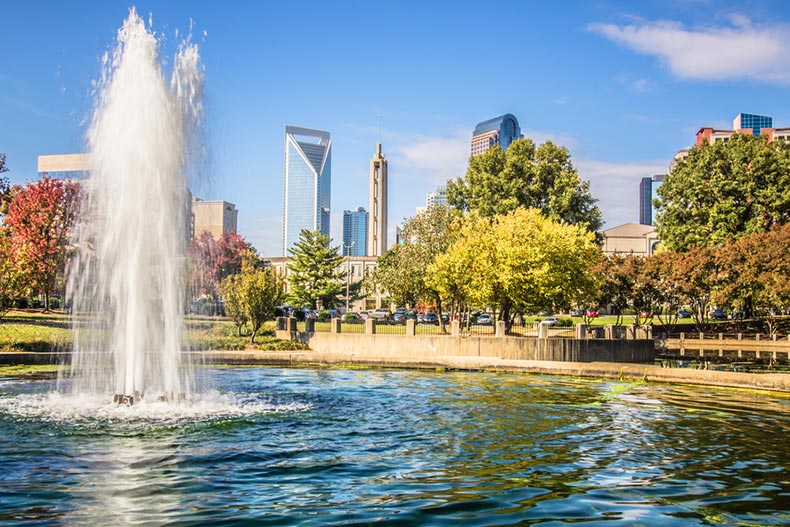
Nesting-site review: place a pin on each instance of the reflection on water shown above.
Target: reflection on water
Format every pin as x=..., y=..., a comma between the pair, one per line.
x=327, y=447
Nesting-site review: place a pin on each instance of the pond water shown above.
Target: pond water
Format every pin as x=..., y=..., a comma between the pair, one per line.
x=358, y=447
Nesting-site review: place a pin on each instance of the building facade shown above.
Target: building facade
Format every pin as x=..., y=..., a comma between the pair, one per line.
x=437, y=197
x=308, y=181
x=355, y=232
x=630, y=238
x=501, y=131
x=744, y=123
x=377, y=225
x=216, y=217
x=647, y=193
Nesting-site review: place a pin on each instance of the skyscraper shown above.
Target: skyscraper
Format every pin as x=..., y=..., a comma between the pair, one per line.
x=647, y=192
x=355, y=232
x=377, y=225
x=308, y=174
x=501, y=131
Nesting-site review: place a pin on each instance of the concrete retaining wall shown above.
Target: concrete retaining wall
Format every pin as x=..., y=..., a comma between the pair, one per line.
x=426, y=347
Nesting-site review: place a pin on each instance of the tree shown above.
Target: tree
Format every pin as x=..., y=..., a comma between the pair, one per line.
x=230, y=288
x=517, y=263
x=724, y=191
x=314, y=274
x=41, y=217
x=526, y=176
x=10, y=278
x=213, y=260
x=403, y=270
x=258, y=289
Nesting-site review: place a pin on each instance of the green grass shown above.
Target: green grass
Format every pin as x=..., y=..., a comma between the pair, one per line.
x=32, y=331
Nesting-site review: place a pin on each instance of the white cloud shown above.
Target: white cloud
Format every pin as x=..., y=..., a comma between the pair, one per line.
x=742, y=50
x=435, y=159
x=616, y=186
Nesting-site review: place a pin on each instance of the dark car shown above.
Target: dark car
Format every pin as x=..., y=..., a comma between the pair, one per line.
x=683, y=313
x=399, y=318
x=430, y=318
x=484, y=319
x=719, y=314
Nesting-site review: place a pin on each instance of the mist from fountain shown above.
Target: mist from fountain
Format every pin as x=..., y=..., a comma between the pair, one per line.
x=126, y=279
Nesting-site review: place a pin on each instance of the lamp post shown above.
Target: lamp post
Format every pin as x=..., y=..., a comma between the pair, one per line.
x=348, y=269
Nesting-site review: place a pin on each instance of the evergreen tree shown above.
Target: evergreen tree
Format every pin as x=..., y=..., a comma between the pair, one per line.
x=314, y=274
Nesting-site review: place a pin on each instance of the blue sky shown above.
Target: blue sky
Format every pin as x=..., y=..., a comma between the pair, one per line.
x=622, y=84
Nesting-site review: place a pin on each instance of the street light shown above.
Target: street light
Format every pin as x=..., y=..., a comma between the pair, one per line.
x=348, y=268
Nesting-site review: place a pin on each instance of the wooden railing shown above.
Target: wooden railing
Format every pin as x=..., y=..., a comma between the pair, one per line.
x=737, y=346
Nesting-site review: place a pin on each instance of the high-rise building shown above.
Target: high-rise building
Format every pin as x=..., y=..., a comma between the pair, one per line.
x=308, y=174
x=437, y=197
x=501, y=131
x=647, y=192
x=355, y=232
x=377, y=225
x=755, y=122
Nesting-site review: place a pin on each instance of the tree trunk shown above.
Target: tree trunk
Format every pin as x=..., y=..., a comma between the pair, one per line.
x=252, y=336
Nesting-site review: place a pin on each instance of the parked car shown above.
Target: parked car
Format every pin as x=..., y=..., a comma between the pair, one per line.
x=592, y=313
x=551, y=321
x=430, y=318
x=683, y=313
x=382, y=314
x=484, y=319
x=719, y=314
x=364, y=315
x=577, y=313
x=399, y=317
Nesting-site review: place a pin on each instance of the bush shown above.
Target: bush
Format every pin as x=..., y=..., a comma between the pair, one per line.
x=564, y=322
x=324, y=316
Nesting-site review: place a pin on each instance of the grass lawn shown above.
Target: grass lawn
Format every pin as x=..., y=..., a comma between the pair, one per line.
x=33, y=331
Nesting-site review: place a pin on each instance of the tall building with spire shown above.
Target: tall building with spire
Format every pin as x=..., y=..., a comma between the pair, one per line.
x=377, y=212
x=308, y=175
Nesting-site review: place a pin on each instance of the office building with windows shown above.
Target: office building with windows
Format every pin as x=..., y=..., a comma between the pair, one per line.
x=308, y=160
x=501, y=131
x=744, y=123
x=754, y=122
x=437, y=197
x=215, y=217
x=647, y=193
x=355, y=232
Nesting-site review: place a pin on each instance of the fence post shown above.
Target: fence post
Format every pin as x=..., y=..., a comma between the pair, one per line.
x=455, y=328
x=370, y=326
x=292, y=324
x=630, y=332
x=411, y=327
x=500, y=328
x=543, y=330
x=581, y=331
x=336, y=327
x=609, y=331
x=309, y=325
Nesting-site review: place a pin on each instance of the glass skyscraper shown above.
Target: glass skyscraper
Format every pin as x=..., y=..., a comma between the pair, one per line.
x=647, y=193
x=501, y=131
x=355, y=232
x=308, y=174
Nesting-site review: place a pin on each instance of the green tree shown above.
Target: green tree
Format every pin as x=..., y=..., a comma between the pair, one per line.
x=526, y=176
x=403, y=270
x=231, y=291
x=314, y=271
x=724, y=191
x=517, y=263
x=258, y=289
x=10, y=277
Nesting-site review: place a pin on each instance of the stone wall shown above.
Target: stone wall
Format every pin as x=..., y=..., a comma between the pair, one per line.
x=427, y=347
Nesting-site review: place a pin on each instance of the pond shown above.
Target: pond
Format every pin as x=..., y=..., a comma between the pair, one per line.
x=356, y=447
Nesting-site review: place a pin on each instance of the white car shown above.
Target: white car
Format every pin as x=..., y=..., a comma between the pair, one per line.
x=551, y=321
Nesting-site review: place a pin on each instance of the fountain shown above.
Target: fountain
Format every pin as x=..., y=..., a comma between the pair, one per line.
x=126, y=279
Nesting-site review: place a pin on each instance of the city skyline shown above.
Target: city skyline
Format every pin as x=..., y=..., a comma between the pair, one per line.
x=609, y=80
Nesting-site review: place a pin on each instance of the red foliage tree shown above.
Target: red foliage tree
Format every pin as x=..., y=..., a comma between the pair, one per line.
x=41, y=216
x=212, y=260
